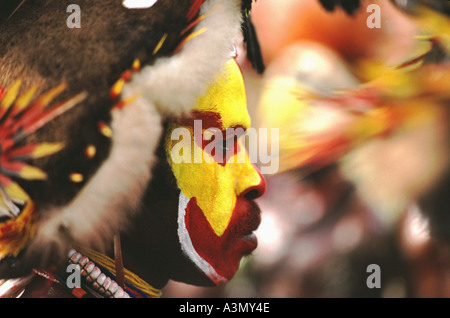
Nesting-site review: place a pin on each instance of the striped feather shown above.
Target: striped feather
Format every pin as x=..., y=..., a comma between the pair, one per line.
x=20, y=117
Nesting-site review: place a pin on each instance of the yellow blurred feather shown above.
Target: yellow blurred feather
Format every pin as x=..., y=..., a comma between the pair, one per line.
x=10, y=96
x=46, y=149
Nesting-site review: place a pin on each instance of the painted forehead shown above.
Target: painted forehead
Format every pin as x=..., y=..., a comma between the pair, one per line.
x=225, y=105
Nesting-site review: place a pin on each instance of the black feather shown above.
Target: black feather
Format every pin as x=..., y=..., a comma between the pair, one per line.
x=329, y=5
x=246, y=6
x=251, y=41
x=350, y=6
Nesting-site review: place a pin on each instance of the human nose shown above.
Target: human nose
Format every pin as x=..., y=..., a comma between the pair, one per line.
x=253, y=184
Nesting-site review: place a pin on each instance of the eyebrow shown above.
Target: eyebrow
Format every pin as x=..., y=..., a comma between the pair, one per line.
x=209, y=119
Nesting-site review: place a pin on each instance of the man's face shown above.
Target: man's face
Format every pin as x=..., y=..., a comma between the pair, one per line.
x=218, y=183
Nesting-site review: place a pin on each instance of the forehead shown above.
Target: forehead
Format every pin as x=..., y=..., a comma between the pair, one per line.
x=225, y=103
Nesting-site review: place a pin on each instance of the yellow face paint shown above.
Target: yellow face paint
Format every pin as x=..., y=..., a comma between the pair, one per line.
x=216, y=186
x=227, y=98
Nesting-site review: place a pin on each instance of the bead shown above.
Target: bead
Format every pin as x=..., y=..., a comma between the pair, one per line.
x=83, y=261
x=107, y=283
x=95, y=273
x=71, y=252
x=76, y=257
x=119, y=293
x=113, y=287
x=101, y=279
x=89, y=267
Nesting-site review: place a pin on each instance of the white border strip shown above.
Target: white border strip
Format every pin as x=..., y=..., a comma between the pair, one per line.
x=188, y=247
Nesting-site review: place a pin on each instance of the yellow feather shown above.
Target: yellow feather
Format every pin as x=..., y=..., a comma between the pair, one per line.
x=11, y=95
x=24, y=100
x=32, y=173
x=48, y=97
x=160, y=44
x=15, y=192
x=46, y=149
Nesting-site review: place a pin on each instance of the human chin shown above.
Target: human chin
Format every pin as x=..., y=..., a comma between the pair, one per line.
x=217, y=257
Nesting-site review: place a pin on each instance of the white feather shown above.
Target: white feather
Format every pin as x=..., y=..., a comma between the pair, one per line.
x=104, y=204
x=139, y=4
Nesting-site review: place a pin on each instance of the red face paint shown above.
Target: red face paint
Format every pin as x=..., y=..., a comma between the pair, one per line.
x=224, y=253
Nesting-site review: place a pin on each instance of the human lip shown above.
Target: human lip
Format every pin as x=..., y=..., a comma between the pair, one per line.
x=247, y=244
x=251, y=240
x=250, y=221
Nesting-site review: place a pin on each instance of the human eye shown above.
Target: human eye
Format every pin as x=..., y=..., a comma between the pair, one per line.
x=221, y=145
x=231, y=144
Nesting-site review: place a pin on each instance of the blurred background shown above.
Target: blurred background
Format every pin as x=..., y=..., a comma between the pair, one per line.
x=363, y=178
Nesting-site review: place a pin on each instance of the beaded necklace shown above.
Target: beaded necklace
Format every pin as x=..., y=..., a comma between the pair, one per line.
x=98, y=274
x=98, y=279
